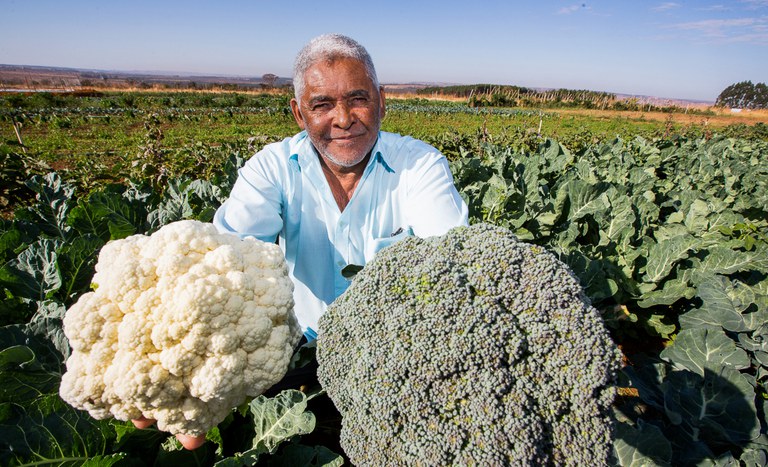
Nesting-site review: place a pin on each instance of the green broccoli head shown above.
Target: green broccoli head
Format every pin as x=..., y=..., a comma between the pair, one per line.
x=469, y=348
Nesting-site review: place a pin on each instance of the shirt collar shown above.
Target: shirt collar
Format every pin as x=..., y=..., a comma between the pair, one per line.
x=305, y=155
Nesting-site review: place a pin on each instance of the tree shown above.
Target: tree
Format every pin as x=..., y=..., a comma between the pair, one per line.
x=744, y=95
x=269, y=79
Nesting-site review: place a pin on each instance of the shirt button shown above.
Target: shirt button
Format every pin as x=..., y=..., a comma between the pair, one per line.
x=340, y=263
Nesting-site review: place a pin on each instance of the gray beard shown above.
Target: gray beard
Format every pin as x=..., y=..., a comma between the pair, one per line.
x=333, y=160
x=345, y=164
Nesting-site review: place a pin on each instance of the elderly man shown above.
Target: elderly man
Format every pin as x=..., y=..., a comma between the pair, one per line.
x=341, y=189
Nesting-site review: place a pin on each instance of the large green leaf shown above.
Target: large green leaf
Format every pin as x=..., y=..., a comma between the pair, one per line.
x=23, y=377
x=54, y=201
x=663, y=256
x=705, y=349
x=77, y=260
x=722, y=260
x=672, y=291
x=36, y=426
x=584, y=198
x=34, y=273
x=46, y=325
x=108, y=215
x=47, y=431
x=276, y=420
x=496, y=197
x=617, y=222
x=716, y=407
x=299, y=455
x=280, y=418
x=696, y=217
x=644, y=445
x=724, y=304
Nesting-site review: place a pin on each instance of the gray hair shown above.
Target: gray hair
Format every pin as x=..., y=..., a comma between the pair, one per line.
x=329, y=47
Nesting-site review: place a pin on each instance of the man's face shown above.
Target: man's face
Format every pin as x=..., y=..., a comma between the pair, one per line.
x=341, y=110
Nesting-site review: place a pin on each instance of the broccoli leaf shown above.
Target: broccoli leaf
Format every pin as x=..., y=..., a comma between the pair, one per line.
x=673, y=291
x=279, y=418
x=108, y=215
x=104, y=461
x=276, y=419
x=48, y=431
x=34, y=273
x=35, y=424
x=663, y=255
x=724, y=260
x=644, y=444
x=54, y=201
x=76, y=260
x=702, y=349
x=712, y=407
x=724, y=304
x=299, y=455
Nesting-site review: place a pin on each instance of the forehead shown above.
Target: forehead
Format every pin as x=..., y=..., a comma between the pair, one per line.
x=339, y=75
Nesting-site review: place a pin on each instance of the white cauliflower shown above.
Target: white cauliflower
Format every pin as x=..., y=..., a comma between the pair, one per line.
x=183, y=326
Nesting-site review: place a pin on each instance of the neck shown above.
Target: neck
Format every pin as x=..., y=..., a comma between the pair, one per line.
x=343, y=180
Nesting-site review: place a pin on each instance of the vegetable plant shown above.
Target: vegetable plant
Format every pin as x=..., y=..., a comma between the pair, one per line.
x=668, y=237
x=471, y=348
x=183, y=326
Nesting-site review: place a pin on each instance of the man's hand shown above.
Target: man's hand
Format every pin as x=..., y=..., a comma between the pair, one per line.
x=189, y=442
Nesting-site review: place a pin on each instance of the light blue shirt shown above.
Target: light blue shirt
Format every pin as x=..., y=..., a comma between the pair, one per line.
x=406, y=189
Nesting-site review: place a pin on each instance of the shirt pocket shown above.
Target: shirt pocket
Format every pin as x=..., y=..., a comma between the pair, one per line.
x=378, y=243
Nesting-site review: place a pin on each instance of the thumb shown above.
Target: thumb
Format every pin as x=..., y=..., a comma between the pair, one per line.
x=191, y=442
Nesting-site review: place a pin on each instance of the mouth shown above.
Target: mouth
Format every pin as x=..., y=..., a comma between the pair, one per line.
x=345, y=137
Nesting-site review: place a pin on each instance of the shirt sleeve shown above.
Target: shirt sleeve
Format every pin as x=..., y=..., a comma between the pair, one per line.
x=254, y=207
x=435, y=203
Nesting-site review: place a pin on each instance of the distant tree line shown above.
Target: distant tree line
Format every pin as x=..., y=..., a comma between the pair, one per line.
x=492, y=95
x=482, y=95
x=744, y=95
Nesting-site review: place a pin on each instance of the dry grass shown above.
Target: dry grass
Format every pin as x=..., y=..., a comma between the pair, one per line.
x=720, y=117
x=716, y=117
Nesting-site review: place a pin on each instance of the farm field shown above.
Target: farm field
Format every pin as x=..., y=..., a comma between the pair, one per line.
x=663, y=217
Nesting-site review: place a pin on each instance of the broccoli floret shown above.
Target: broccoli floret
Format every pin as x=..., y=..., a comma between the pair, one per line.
x=471, y=348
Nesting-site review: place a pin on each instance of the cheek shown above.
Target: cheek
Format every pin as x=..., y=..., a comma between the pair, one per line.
x=315, y=123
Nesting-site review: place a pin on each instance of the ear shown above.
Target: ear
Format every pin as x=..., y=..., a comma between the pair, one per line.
x=297, y=113
x=382, y=103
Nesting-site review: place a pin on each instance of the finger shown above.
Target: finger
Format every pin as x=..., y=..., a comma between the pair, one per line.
x=142, y=422
x=191, y=442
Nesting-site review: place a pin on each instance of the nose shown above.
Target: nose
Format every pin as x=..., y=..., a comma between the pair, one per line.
x=344, y=117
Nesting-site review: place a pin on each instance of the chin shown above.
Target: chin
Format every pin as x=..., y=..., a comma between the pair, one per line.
x=345, y=158
x=344, y=161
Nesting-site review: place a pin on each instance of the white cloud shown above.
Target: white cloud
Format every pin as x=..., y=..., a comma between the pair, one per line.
x=715, y=8
x=572, y=9
x=741, y=30
x=666, y=6
x=755, y=4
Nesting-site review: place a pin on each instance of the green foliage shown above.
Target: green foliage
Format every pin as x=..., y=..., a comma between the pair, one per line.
x=669, y=238
x=667, y=232
x=49, y=252
x=15, y=169
x=744, y=95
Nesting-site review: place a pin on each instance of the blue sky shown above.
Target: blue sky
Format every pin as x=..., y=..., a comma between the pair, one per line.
x=687, y=50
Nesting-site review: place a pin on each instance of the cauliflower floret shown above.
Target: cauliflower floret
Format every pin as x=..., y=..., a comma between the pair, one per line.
x=471, y=348
x=181, y=328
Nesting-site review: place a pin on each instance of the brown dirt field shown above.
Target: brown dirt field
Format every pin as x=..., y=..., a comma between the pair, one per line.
x=720, y=118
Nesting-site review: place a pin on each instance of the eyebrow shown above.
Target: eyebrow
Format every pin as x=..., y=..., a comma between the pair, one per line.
x=325, y=98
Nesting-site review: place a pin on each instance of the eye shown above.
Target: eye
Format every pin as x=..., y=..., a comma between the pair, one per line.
x=321, y=106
